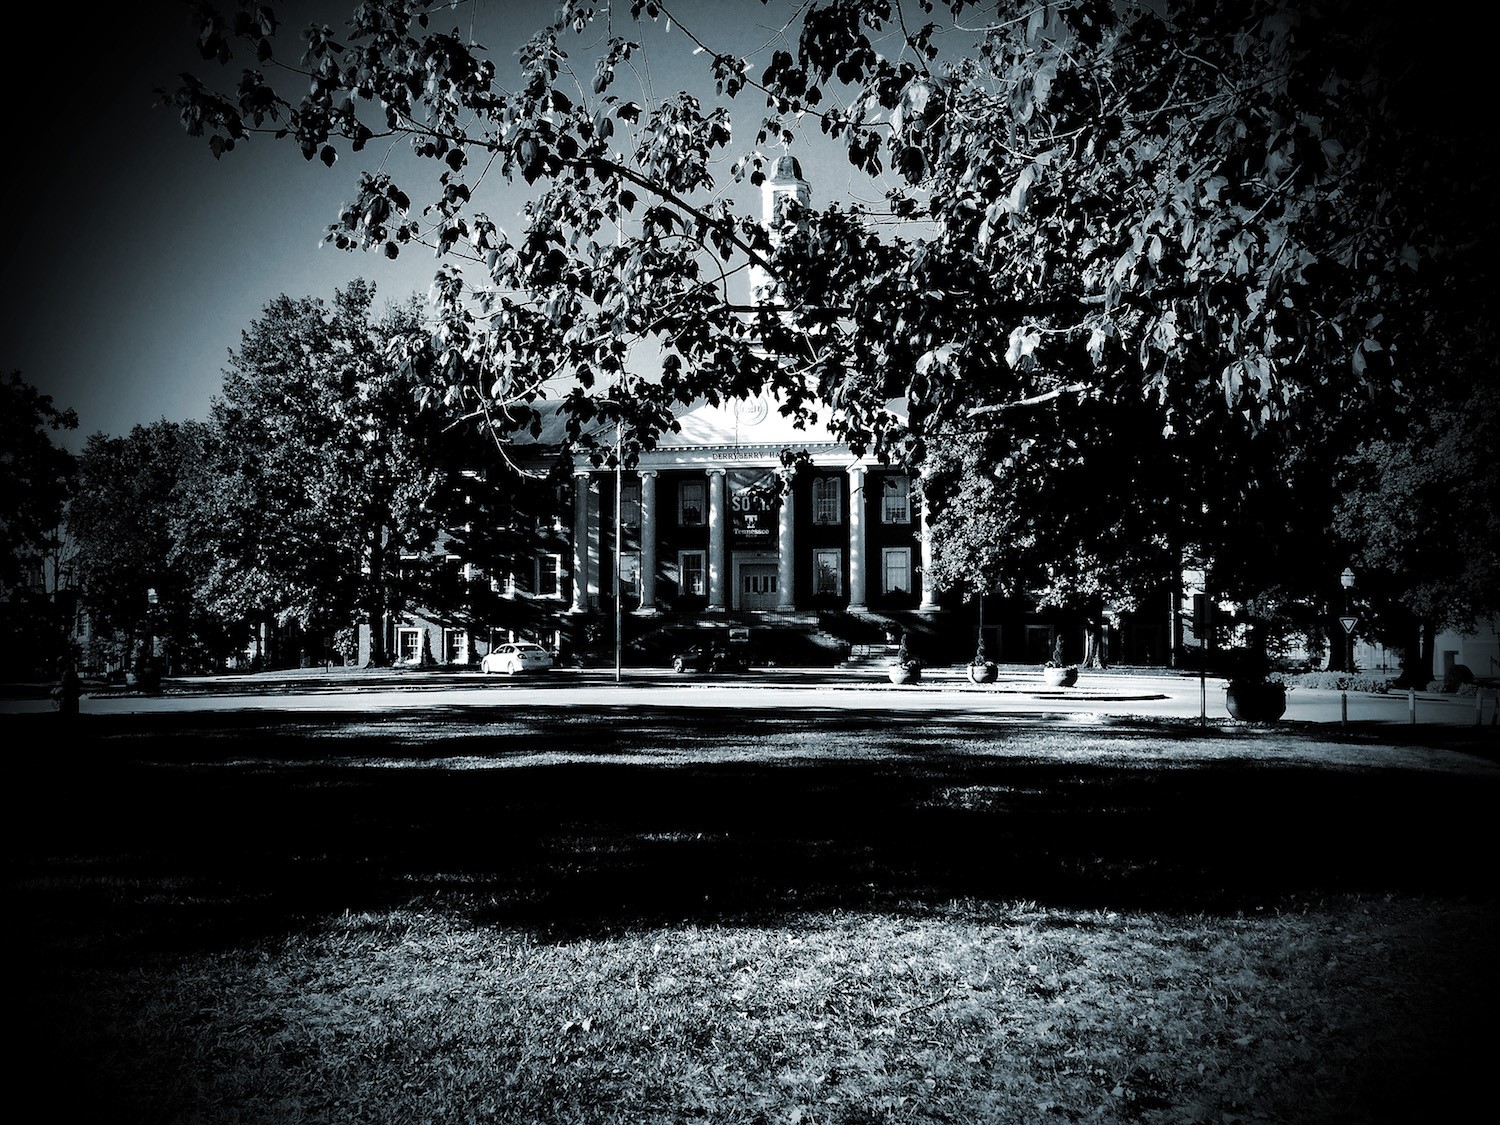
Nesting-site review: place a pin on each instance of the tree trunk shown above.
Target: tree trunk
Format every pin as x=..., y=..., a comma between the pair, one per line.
x=1417, y=656
x=1428, y=669
x=1093, y=644
x=375, y=609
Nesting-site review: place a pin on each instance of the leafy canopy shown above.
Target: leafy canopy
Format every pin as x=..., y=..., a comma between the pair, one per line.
x=1199, y=248
x=1194, y=202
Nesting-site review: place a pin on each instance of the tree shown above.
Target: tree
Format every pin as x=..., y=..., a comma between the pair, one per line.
x=36, y=586
x=496, y=517
x=123, y=517
x=1201, y=196
x=1221, y=211
x=318, y=471
x=1422, y=517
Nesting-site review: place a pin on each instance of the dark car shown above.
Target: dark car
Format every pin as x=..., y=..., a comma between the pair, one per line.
x=709, y=658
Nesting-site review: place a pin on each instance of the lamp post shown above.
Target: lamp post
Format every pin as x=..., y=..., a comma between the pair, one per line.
x=151, y=603
x=1347, y=621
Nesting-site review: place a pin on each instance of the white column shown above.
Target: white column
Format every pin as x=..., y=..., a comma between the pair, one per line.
x=929, y=594
x=648, y=541
x=857, y=538
x=786, y=574
x=580, y=541
x=716, y=539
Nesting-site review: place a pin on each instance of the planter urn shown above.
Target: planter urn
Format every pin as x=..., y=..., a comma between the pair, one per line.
x=1255, y=701
x=984, y=672
x=904, y=673
x=1060, y=677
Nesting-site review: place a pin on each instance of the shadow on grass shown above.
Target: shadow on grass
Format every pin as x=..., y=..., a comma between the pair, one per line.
x=187, y=831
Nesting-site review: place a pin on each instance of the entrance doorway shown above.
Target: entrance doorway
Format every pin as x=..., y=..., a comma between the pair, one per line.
x=759, y=586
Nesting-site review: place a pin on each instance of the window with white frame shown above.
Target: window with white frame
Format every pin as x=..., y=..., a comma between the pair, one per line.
x=548, y=575
x=455, y=646
x=690, y=503
x=826, y=495
x=895, y=570
x=827, y=572
x=693, y=573
x=409, y=645
x=895, y=497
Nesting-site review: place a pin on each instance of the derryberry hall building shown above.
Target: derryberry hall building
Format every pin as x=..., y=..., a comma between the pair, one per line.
x=702, y=544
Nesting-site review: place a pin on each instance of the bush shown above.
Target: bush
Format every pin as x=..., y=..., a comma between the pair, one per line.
x=1339, y=681
x=1456, y=678
x=346, y=644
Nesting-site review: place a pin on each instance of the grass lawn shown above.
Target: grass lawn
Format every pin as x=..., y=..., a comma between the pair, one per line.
x=623, y=916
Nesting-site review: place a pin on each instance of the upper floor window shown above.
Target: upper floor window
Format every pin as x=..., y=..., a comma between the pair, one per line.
x=690, y=495
x=826, y=493
x=895, y=496
x=630, y=504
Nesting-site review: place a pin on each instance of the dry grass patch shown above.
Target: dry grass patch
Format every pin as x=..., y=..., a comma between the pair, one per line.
x=1352, y=1010
x=587, y=916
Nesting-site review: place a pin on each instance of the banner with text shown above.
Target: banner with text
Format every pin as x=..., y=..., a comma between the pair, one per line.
x=754, y=505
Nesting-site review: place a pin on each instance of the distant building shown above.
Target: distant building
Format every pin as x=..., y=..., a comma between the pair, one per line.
x=708, y=539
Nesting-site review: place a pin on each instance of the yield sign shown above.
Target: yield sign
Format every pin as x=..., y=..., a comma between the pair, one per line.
x=1348, y=623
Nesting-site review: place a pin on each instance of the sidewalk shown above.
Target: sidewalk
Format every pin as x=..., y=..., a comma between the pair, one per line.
x=1147, y=694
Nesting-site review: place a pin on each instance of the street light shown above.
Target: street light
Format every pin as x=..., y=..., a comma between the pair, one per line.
x=151, y=603
x=1347, y=621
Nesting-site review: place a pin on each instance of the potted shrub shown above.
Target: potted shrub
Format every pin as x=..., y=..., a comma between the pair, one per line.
x=981, y=669
x=1056, y=671
x=906, y=669
x=1255, y=700
x=1251, y=693
x=147, y=676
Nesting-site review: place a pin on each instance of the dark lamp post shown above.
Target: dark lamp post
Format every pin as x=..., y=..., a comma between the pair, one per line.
x=151, y=603
x=1347, y=581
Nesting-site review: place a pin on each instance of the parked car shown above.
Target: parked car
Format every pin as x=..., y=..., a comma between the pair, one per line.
x=710, y=658
x=518, y=656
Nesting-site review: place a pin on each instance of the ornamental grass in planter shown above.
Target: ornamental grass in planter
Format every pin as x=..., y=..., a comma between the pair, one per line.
x=981, y=669
x=1058, y=673
x=1255, y=700
x=906, y=669
x=1252, y=695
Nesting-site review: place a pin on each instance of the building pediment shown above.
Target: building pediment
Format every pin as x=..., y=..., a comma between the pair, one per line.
x=755, y=421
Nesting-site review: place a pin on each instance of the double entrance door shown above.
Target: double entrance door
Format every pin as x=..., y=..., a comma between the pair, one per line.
x=758, y=586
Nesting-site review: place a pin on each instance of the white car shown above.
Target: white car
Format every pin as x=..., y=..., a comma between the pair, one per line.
x=518, y=656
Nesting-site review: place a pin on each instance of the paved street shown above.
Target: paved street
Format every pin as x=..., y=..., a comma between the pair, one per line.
x=1018, y=691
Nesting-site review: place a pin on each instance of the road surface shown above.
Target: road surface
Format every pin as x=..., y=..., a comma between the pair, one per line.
x=1018, y=691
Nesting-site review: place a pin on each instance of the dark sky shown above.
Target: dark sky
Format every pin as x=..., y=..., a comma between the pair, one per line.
x=132, y=259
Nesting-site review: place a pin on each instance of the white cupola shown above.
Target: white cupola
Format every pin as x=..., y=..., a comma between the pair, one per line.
x=783, y=192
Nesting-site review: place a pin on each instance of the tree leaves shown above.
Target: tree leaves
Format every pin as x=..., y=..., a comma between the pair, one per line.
x=1194, y=204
